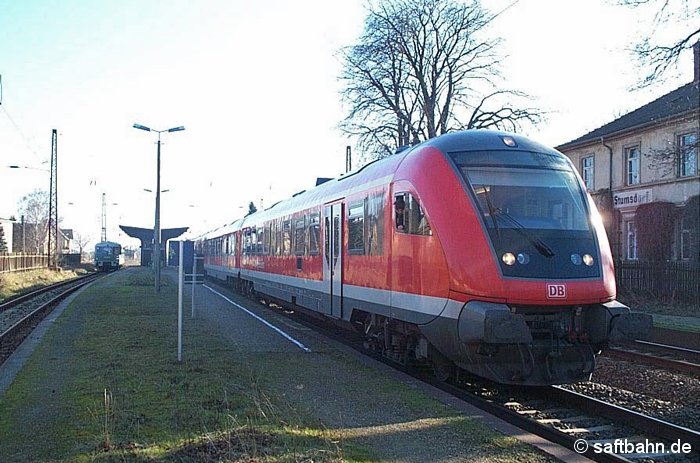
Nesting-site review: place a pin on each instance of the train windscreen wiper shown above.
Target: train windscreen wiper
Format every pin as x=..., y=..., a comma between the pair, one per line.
x=540, y=245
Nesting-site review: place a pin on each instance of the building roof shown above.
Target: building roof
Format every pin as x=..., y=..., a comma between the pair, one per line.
x=672, y=104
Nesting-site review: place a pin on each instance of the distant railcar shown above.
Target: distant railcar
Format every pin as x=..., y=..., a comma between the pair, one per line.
x=108, y=256
x=479, y=250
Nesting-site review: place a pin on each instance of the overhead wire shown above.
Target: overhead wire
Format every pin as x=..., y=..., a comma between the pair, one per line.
x=21, y=134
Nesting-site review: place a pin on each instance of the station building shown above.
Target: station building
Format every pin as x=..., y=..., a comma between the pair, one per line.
x=644, y=165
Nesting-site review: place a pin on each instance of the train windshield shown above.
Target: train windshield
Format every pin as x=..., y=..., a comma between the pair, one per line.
x=535, y=191
x=535, y=212
x=529, y=198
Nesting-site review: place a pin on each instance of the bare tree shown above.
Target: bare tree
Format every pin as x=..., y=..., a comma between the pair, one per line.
x=35, y=208
x=660, y=57
x=423, y=68
x=81, y=240
x=3, y=243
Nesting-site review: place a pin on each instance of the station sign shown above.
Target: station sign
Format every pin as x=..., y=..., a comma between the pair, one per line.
x=632, y=198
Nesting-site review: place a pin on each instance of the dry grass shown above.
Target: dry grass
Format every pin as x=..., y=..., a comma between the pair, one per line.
x=16, y=283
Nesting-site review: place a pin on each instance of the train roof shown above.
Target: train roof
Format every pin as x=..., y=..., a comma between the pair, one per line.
x=106, y=244
x=381, y=172
x=480, y=140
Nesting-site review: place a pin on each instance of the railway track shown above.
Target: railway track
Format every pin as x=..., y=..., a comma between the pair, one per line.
x=679, y=359
x=20, y=315
x=601, y=431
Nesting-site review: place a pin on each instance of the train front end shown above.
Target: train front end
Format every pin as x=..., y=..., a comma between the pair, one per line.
x=538, y=283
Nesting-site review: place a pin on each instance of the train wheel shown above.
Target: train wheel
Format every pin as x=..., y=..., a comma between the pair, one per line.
x=443, y=368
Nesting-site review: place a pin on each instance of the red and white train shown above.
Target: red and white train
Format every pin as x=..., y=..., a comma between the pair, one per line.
x=479, y=249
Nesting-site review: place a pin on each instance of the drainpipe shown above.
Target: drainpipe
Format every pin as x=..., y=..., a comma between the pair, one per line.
x=612, y=206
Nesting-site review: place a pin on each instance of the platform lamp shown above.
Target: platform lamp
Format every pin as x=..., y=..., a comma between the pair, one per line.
x=156, y=228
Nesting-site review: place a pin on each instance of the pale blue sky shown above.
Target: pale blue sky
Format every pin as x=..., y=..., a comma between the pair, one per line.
x=255, y=84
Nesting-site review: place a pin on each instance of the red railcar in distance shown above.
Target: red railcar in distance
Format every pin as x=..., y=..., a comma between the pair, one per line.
x=478, y=250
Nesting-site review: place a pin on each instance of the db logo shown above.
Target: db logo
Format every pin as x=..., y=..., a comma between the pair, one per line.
x=556, y=291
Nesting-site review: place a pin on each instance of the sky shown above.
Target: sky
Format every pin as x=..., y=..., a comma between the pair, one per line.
x=255, y=84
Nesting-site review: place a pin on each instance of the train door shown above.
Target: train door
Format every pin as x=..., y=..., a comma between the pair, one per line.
x=333, y=257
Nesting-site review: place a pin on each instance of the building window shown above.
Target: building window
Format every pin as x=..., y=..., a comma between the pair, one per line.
x=587, y=171
x=632, y=165
x=631, y=241
x=688, y=154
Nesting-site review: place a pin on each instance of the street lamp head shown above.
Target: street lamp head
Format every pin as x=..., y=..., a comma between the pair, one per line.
x=142, y=127
x=177, y=129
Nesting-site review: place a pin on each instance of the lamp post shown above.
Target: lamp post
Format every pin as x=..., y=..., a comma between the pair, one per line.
x=156, y=228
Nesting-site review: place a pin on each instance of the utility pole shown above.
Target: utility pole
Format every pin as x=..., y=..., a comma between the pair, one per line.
x=348, y=159
x=104, y=218
x=53, y=203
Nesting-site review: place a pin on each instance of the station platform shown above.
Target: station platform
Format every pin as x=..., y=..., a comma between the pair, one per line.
x=242, y=348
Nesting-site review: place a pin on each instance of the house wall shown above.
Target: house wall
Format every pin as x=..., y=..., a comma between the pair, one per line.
x=659, y=180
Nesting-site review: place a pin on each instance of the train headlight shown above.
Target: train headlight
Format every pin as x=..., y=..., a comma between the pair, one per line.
x=508, y=258
x=523, y=258
x=576, y=259
x=588, y=259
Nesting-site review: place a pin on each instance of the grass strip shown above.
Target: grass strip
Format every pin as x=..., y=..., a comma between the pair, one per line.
x=17, y=283
x=105, y=386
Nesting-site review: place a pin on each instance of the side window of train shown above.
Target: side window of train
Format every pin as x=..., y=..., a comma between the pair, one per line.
x=262, y=236
x=400, y=212
x=254, y=241
x=409, y=216
x=375, y=224
x=286, y=237
x=246, y=241
x=314, y=234
x=276, y=237
x=356, y=228
x=299, y=236
x=327, y=239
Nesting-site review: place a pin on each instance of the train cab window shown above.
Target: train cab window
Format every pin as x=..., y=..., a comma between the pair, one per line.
x=314, y=234
x=409, y=216
x=356, y=228
x=299, y=236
